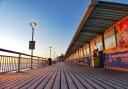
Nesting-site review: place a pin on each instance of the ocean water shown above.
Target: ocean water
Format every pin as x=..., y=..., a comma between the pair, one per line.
x=14, y=67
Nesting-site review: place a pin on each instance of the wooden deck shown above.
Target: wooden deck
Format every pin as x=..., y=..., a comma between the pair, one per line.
x=65, y=76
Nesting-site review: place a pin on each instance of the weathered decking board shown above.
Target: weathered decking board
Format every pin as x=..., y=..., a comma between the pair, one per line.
x=65, y=76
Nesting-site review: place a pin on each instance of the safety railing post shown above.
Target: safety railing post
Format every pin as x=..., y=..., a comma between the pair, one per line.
x=38, y=62
x=19, y=60
x=42, y=62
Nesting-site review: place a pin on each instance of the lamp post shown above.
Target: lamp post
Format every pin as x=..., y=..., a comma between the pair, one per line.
x=32, y=43
x=50, y=51
x=54, y=53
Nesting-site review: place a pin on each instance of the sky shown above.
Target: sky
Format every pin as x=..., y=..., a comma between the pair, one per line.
x=57, y=21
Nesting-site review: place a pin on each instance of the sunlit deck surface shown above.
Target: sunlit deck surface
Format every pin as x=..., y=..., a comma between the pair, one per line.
x=65, y=76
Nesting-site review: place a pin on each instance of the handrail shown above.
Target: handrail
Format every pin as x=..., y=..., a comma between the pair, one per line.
x=10, y=51
x=10, y=63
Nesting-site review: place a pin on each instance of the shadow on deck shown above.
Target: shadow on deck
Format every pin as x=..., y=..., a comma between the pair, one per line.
x=65, y=76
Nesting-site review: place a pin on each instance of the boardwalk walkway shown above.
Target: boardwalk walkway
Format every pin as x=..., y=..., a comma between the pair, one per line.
x=65, y=76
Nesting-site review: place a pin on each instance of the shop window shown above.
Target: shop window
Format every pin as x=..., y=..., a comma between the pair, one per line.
x=93, y=46
x=99, y=43
x=84, y=50
x=81, y=51
x=110, y=41
x=122, y=33
x=87, y=49
x=99, y=46
x=88, y=52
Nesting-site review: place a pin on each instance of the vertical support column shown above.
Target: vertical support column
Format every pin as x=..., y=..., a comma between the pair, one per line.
x=86, y=49
x=75, y=56
x=83, y=51
x=70, y=58
x=67, y=58
x=89, y=48
x=79, y=54
x=19, y=60
x=103, y=43
x=90, y=54
x=83, y=58
x=115, y=33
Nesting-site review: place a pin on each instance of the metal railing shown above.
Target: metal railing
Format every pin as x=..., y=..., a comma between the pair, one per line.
x=20, y=61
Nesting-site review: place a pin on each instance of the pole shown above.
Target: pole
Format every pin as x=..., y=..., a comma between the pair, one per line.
x=19, y=63
x=50, y=51
x=38, y=62
x=32, y=49
x=54, y=55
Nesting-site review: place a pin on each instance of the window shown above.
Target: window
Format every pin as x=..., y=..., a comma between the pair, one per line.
x=81, y=52
x=88, y=52
x=99, y=46
x=99, y=43
x=110, y=41
x=84, y=48
x=122, y=33
x=87, y=49
x=93, y=46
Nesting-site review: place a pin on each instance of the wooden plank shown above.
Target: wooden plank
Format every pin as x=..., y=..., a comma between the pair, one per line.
x=63, y=79
x=65, y=76
x=76, y=81
x=71, y=83
x=44, y=82
x=93, y=73
x=50, y=83
x=109, y=81
x=99, y=75
x=21, y=77
x=97, y=80
x=57, y=81
x=25, y=81
x=84, y=82
x=11, y=77
x=35, y=80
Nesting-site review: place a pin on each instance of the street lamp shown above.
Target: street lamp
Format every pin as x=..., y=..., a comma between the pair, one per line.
x=32, y=43
x=54, y=53
x=50, y=51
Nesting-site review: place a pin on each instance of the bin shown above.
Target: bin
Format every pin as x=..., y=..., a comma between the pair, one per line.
x=96, y=62
x=49, y=61
x=102, y=59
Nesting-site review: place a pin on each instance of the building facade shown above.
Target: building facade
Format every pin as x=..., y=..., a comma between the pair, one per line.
x=103, y=31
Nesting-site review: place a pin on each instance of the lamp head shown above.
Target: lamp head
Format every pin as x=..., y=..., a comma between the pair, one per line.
x=33, y=24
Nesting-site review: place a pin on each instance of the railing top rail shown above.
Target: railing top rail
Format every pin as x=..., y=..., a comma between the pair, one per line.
x=10, y=51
